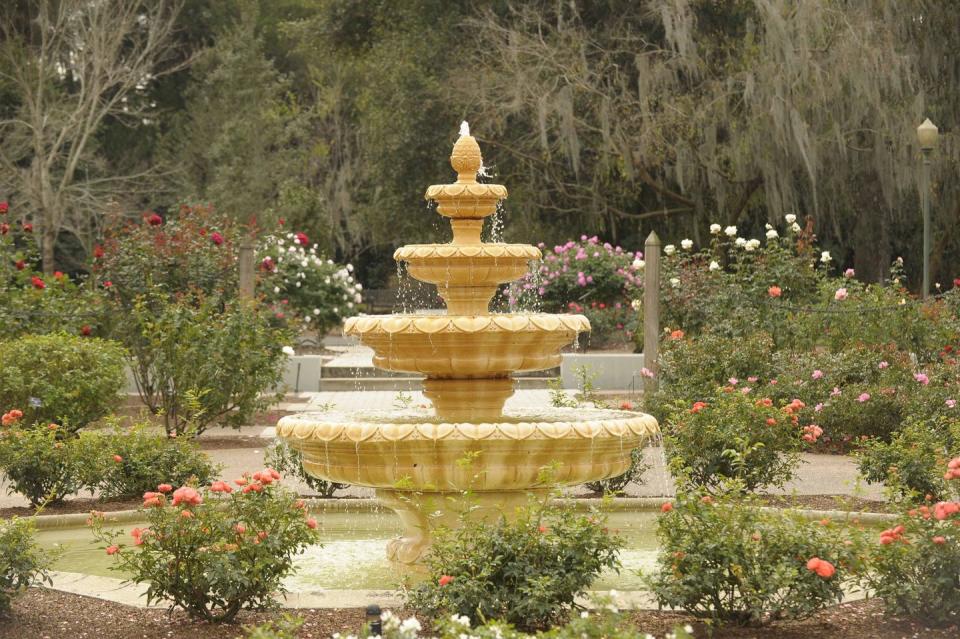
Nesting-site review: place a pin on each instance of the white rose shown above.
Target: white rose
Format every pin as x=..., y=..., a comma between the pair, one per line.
x=795, y=228
x=772, y=234
x=714, y=266
x=825, y=257
x=790, y=218
x=316, y=311
x=731, y=231
x=636, y=304
x=752, y=244
x=740, y=241
x=288, y=350
x=768, y=226
x=359, y=286
x=350, y=268
x=349, y=304
x=638, y=264
x=714, y=229
x=674, y=282
x=276, y=289
x=686, y=244
x=669, y=249
x=357, y=298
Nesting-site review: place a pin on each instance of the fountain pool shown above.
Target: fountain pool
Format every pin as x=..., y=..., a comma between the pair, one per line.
x=350, y=556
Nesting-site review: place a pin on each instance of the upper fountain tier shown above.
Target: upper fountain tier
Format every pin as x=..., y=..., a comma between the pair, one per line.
x=467, y=271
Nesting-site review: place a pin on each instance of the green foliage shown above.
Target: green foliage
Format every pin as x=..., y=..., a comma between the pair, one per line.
x=22, y=563
x=215, y=551
x=605, y=622
x=285, y=628
x=524, y=568
x=911, y=464
x=61, y=378
x=735, y=435
x=203, y=361
x=289, y=461
x=126, y=462
x=730, y=561
x=42, y=463
x=615, y=485
x=916, y=565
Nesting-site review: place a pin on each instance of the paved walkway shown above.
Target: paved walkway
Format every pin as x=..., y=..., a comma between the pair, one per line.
x=818, y=475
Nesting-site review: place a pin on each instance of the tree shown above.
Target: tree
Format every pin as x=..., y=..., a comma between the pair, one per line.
x=71, y=67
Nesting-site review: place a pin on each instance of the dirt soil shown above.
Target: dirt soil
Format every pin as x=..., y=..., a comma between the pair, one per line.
x=48, y=614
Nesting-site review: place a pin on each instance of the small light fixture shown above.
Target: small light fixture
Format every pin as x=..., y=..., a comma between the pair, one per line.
x=374, y=624
x=927, y=135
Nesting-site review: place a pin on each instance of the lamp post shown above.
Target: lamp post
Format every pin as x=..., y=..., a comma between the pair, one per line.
x=927, y=137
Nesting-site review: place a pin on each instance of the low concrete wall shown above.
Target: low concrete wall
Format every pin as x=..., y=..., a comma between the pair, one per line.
x=301, y=374
x=613, y=371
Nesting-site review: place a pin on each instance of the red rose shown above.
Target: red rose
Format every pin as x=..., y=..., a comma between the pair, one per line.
x=117, y=458
x=4, y=207
x=301, y=238
x=57, y=275
x=38, y=283
x=154, y=220
x=667, y=507
x=267, y=264
x=956, y=281
x=4, y=229
x=240, y=529
x=445, y=579
x=107, y=284
x=28, y=228
x=20, y=265
x=216, y=238
x=97, y=252
x=85, y=330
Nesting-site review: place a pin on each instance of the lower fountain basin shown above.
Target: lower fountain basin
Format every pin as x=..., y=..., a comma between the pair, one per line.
x=414, y=450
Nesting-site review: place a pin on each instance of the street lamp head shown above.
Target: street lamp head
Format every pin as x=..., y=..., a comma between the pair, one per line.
x=927, y=135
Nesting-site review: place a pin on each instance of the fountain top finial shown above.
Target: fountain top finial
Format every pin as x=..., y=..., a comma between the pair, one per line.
x=465, y=158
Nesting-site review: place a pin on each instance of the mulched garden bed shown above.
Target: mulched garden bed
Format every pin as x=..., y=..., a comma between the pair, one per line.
x=47, y=614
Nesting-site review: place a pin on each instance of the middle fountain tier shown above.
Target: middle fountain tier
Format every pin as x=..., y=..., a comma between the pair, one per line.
x=467, y=355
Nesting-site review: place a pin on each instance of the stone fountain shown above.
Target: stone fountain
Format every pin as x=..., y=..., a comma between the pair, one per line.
x=414, y=457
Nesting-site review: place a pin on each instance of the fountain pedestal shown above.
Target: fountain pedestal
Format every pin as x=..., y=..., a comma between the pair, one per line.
x=423, y=461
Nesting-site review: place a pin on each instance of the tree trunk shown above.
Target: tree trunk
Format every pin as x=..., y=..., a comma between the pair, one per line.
x=47, y=245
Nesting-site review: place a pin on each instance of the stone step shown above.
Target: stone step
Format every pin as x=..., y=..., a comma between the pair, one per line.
x=328, y=384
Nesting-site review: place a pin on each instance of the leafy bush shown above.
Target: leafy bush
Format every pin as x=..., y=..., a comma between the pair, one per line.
x=525, y=570
x=203, y=361
x=21, y=562
x=44, y=464
x=615, y=485
x=911, y=463
x=289, y=461
x=735, y=435
x=299, y=282
x=285, y=628
x=916, y=566
x=732, y=562
x=61, y=378
x=215, y=551
x=129, y=462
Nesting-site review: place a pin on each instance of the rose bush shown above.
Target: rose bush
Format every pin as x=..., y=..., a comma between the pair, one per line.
x=303, y=286
x=126, y=462
x=738, y=433
x=215, y=550
x=61, y=378
x=44, y=463
x=726, y=559
x=915, y=565
x=22, y=563
x=525, y=570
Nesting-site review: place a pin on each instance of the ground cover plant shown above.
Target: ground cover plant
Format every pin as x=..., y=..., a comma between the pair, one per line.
x=215, y=550
x=524, y=569
x=725, y=559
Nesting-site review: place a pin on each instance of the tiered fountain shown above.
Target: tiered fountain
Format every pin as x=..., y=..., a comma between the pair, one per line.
x=467, y=354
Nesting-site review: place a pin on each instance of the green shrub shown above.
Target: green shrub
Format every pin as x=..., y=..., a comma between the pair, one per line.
x=285, y=628
x=916, y=566
x=215, y=551
x=21, y=562
x=525, y=570
x=615, y=485
x=61, y=378
x=735, y=435
x=730, y=561
x=42, y=464
x=129, y=462
x=289, y=461
x=201, y=361
x=911, y=463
